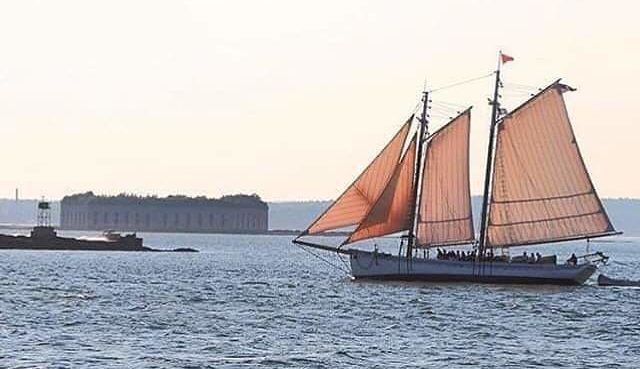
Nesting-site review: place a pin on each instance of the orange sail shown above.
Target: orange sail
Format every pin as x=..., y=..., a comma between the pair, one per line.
x=444, y=216
x=354, y=204
x=541, y=191
x=391, y=213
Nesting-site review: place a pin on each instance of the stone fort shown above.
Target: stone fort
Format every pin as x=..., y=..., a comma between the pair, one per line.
x=228, y=214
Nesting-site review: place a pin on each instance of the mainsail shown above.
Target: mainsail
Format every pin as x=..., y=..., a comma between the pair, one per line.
x=391, y=213
x=356, y=202
x=444, y=216
x=541, y=191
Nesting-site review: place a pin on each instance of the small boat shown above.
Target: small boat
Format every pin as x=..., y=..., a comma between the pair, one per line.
x=537, y=190
x=603, y=280
x=113, y=236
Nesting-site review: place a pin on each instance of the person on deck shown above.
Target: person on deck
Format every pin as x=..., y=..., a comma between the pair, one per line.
x=573, y=259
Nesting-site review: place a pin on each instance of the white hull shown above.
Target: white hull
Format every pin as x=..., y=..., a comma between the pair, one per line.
x=371, y=265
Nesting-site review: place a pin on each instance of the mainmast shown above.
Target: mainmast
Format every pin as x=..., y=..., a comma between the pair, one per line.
x=495, y=109
x=423, y=131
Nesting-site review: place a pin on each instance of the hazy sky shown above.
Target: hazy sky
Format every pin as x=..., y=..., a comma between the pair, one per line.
x=288, y=99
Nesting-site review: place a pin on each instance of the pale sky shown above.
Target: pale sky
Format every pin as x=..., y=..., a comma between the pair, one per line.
x=289, y=99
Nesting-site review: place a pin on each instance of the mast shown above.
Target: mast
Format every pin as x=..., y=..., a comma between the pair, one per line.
x=495, y=107
x=424, y=126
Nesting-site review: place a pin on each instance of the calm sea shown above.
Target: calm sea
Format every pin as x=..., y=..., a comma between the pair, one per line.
x=258, y=302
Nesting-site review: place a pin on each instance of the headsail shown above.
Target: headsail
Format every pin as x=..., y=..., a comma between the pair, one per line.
x=444, y=216
x=541, y=190
x=354, y=204
x=391, y=213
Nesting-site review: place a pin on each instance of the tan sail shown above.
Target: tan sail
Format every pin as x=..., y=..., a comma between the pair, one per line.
x=391, y=213
x=444, y=216
x=541, y=191
x=352, y=206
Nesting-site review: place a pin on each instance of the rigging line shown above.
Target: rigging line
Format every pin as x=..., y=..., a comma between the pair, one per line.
x=415, y=108
x=436, y=104
x=345, y=264
x=323, y=259
x=442, y=116
x=521, y=89
x=444, y=107
x=443, y=113
x=514, y=93
x=515, y=89
x=444, y=102
x=512, y=84
x=460, y=108
x=462, y=82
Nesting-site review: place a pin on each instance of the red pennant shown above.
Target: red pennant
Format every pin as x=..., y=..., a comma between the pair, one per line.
x=505, y=58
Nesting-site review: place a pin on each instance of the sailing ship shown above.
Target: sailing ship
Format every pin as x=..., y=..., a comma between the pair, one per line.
x=537, y=190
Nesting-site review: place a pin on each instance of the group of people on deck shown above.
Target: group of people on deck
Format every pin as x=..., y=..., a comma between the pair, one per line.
x=490, y=257
x=456, y=255
x=529, y=258
x=467, y=255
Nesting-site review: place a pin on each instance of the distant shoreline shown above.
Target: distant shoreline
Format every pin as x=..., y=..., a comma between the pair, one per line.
x=271, y=232
x=285, y=218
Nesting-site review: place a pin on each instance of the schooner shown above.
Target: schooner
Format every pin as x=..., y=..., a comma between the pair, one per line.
x=537, y=190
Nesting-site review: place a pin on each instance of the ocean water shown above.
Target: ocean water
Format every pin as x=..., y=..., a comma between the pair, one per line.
x=258, y=302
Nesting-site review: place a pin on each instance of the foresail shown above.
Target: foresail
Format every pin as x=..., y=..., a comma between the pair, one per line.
x=444, y=216
x=351, y=207
x=541, y=190
x=391, y=213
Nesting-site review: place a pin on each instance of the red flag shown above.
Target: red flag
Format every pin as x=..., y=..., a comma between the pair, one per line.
x=505, y=58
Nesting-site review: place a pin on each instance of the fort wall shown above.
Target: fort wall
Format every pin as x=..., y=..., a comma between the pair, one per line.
x=229, y=214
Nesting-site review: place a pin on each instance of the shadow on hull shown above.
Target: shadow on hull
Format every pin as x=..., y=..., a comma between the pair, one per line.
x=431, y=278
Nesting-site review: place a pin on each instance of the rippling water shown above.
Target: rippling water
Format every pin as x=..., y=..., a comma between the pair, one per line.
x=256, y=301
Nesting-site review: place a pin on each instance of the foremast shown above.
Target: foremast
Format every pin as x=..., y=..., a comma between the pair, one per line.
x=423, y=131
